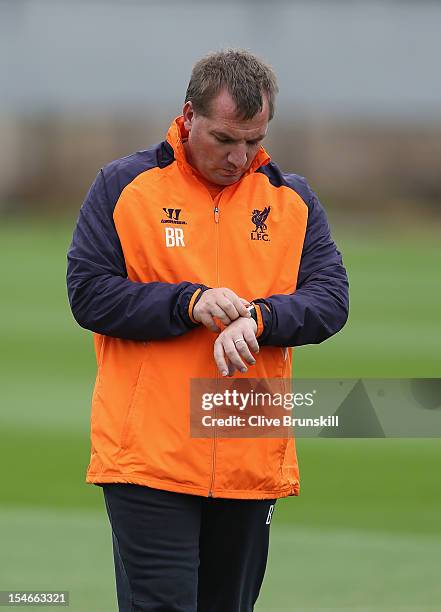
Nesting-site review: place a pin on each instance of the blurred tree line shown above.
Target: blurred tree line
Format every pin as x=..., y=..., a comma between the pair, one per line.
x=47, y=162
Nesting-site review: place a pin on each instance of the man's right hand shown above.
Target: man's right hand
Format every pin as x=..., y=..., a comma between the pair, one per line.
x=222, y=304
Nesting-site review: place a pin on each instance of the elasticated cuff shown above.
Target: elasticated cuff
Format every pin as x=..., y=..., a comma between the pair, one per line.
x=264, y=320
x=189, y=298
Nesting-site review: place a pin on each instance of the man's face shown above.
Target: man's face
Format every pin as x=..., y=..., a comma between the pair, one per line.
x=222, y=147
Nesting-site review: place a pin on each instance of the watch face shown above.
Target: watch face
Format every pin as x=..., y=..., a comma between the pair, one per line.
x=253, y=313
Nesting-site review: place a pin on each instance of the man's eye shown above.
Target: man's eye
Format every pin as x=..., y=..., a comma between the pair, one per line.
x=224, y=140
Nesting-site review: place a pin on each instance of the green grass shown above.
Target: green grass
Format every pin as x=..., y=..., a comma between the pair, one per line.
x=394, y=327
x=49, y=549
x=365, y=532
x=315, y=569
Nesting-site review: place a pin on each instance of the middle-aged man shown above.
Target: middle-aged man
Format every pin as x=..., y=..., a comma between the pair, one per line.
x=198, y=258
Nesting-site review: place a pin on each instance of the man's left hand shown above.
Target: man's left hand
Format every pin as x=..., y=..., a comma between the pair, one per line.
x=234, y=344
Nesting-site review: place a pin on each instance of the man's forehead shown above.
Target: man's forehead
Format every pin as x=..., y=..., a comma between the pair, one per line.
x=223, y=117
x=223, y=105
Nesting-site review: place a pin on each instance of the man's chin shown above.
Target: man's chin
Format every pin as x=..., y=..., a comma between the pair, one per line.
x=228, y=179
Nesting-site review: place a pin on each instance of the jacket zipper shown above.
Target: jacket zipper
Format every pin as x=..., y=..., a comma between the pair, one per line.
x=213, y=456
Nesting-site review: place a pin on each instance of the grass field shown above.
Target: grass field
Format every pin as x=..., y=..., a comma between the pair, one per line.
x=364, y=535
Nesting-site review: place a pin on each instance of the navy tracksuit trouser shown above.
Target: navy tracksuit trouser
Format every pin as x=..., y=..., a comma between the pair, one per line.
x=184, y=553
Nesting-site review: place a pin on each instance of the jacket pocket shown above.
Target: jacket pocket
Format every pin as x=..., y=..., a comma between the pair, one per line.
x=129, y=425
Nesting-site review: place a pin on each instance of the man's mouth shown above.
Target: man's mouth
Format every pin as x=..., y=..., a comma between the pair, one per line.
x=230, y=173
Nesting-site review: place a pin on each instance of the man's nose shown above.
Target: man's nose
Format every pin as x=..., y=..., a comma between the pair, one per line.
x=238, y=156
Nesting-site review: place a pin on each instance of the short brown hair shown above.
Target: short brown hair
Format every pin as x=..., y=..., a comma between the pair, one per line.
x=244, y=75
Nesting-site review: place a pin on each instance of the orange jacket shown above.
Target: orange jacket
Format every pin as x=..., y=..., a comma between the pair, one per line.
x=147, y=243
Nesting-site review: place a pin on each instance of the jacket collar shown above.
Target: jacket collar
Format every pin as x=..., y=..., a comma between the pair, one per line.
x=176, y=133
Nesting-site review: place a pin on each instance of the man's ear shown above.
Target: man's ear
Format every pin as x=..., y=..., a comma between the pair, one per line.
x=188, y=115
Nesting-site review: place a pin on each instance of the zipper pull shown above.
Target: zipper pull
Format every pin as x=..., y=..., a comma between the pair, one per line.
x=216, y=214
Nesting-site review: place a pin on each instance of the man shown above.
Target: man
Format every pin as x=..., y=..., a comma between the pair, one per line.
x=198, y=258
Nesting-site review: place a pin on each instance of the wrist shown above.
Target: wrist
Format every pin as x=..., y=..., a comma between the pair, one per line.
x=193, y=301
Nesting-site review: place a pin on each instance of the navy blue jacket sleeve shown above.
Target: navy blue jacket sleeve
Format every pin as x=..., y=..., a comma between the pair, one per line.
x=101, y=296
x=319, y=307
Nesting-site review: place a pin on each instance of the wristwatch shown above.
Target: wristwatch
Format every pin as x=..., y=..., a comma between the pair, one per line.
x=252, y=310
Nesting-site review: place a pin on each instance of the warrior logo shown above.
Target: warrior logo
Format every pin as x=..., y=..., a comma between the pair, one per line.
x=173, y=216
x=258, y=218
